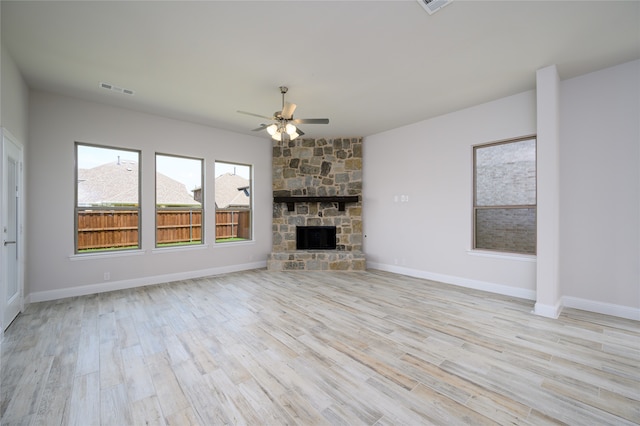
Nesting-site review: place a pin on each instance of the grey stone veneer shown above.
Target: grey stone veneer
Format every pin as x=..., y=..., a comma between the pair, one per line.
x=317, y=167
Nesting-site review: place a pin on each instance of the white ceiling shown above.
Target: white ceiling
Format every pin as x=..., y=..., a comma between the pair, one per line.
x=369, y=66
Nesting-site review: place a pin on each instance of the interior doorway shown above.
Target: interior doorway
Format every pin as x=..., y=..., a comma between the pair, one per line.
x=11, y=278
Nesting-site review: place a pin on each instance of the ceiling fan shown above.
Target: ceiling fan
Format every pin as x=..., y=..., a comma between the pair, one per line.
x=284, y=125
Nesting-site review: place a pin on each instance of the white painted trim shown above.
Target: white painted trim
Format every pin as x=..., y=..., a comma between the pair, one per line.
x=507, y=256
x=548, y=289
x=458, y=281
x=175, y=249
x=106, y=254
x=549, y=311
x=602, y=307
x=233, y=243
x=42, y=296
x=6, y=134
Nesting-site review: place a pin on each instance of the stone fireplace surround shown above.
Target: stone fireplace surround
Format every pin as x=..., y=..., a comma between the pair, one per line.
x=317, y=182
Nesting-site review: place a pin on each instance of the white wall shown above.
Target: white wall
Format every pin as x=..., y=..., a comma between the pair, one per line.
x=599, y=162
x=600, y=187
x=56, y=123
x=14, y=98
x=431, y=163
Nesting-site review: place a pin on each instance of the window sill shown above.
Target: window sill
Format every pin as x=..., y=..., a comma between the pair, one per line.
x=106, y=255
x=503, y=255
x=179, y=248
x=233, y=243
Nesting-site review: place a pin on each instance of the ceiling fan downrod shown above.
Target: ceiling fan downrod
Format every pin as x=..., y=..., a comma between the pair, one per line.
x=283, y=90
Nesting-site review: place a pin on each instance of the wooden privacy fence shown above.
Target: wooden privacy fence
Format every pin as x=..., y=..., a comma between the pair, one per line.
x=233, y=224
x=103, y=229
x=178, y=226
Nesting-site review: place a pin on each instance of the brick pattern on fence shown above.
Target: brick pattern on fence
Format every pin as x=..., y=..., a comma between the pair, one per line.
x=506, y=176
x=509, y=230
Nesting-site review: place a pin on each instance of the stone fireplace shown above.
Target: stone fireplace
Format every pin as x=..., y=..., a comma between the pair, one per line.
x=317, y=185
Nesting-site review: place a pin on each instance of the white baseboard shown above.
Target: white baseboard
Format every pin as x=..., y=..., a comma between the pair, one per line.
x=601, y=307
x=540, y=309
x=505, y=290
x=42, y=296
x=549, y=311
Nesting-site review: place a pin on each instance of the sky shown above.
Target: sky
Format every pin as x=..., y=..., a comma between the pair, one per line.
x=185, y=170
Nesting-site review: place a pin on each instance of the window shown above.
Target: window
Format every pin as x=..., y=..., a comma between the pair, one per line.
x=179, y=190
x=107, y=205
x=233, y=202
x=504, y=211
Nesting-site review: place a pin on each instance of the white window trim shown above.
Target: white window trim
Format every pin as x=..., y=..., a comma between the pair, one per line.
x=107, y=255
x=491, y=253
x=503, y=255
x=179, y=248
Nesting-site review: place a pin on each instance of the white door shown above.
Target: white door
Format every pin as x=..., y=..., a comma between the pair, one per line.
x=11, y=279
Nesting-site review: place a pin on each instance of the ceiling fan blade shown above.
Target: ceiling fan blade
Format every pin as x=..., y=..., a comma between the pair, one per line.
x=311, y=121
x=255, y=115
x=262, y=127
x=287, y=110
x=299, y=131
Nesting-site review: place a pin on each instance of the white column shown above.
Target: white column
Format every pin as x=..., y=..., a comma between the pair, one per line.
x=548, y=295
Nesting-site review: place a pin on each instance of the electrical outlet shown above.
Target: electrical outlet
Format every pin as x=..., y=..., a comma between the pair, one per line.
x=107, y=276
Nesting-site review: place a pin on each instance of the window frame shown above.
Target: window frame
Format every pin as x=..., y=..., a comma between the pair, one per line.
x=476, y=207
x=250, y=209
x=202, y=203
x=77, y=208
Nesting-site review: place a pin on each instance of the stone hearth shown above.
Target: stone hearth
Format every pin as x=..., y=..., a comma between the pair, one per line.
x=320, y=174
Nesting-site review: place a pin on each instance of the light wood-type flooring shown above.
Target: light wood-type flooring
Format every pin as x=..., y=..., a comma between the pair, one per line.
x=307, y=348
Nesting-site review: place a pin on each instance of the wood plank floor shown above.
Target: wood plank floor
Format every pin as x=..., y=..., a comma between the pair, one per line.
x=369, y=348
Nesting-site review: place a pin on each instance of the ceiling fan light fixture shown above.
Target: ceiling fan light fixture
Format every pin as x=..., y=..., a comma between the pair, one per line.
x=290, y=129
x=272, y=129
x=283, y=127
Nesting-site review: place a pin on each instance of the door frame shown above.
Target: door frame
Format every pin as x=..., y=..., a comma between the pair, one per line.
x=5, y=136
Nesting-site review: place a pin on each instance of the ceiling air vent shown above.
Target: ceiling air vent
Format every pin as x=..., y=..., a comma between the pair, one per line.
x=116, y=89
x=432, y=6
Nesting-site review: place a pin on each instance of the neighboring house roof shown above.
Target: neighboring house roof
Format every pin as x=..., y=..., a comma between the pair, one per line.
x=117, y=183
x=232, y=191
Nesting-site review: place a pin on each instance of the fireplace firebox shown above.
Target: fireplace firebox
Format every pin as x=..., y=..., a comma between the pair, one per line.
x=316, y=238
